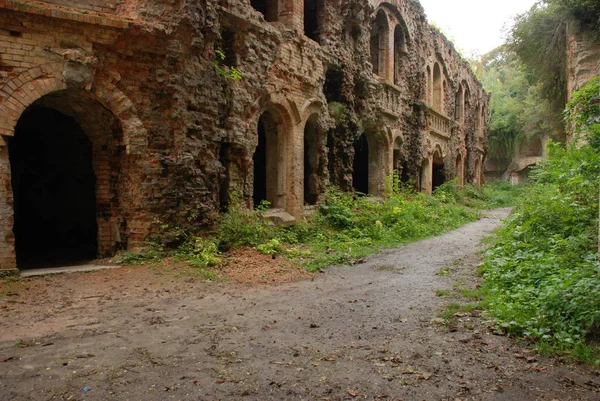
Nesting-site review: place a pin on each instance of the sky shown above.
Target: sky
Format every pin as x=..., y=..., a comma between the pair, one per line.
x=475, y=26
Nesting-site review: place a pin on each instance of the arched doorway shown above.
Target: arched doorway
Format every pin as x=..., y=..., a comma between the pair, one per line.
x=360, y=173
x=270, y=162
x=370, y=159
x=439, y=174
x=54, y=189
x=64, y=172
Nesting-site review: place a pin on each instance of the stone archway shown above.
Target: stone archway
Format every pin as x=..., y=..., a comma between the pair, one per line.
x=370, y=163
x=97, y=100
x=437, y=170
x=31, y=85
x=270, y=161
x=65, y=159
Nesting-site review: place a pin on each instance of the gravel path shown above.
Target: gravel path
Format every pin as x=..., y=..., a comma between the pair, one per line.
x=369, y=331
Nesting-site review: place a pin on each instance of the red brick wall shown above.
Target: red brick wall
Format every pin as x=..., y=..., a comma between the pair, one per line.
x=100, y=6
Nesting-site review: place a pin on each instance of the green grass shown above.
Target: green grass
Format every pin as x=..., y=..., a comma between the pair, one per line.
x=442, y=293
x=471, y=293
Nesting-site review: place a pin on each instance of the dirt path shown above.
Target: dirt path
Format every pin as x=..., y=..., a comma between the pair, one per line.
x=364, y=332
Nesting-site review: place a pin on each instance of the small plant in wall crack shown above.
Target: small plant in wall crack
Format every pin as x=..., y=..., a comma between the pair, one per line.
x=225, y=71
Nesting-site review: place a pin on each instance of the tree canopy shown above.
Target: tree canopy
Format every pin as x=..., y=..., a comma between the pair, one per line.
x=538, y=38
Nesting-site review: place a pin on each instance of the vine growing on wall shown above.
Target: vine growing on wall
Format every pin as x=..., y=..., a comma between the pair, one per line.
x=583, y=113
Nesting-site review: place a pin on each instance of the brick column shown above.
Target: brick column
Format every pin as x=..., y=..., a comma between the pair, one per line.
x=427, y=176
x=291, y=14
x=388, y=58
x=8, y=262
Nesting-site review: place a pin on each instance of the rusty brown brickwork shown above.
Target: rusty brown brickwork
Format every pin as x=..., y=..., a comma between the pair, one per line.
x=331, y=91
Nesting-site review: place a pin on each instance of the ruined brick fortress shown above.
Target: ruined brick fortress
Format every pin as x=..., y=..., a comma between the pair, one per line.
x=119, y=116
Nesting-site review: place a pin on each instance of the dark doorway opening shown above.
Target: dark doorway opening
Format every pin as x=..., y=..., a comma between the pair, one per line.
x=405, y=176
x=332, y=87
x=439, y=176
x=260, y=165
x=311, y=162
x=54, y=189
x=360, y=174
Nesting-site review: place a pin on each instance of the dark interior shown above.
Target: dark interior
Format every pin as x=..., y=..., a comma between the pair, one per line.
x=360, y=175
x=260, y=166
x=310, y=168
x=54, y=190
x=439, y=176
x=311, y=19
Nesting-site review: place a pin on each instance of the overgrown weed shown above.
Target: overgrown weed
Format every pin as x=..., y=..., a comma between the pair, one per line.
x=542, y=275
x=343, y=230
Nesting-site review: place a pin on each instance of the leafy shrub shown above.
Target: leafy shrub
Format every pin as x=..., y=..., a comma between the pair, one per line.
x=200, y=252
x=272, y=247
x=242, y=227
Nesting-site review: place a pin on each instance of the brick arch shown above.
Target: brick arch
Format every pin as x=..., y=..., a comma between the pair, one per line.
x=310, y=107
x=21, y=92
x=436, y=146
x=394, y=12
x=276, y=121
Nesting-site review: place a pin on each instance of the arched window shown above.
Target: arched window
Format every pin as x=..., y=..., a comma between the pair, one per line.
x=313, y=13
x=379, y=44
x=459, y=105
x=268, y=8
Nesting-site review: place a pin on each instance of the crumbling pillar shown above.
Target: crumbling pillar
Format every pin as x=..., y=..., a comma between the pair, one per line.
x=427, y=176
x=8, y=260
